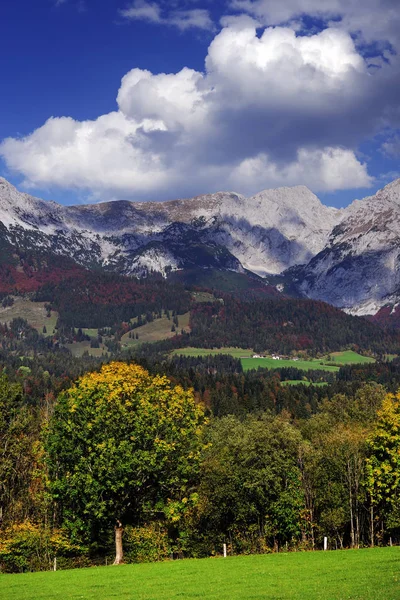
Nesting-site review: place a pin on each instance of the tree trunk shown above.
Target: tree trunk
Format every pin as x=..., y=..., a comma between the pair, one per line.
x=119, y=553
x=372, y=524
x=312, y=529
x=352, y=536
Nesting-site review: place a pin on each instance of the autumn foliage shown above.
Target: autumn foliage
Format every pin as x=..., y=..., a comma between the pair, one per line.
x=122, y=444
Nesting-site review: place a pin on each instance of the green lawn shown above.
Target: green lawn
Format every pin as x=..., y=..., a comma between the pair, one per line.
x=350, y=574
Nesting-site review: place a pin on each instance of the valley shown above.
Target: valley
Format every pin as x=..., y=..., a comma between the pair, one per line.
x=271, y=374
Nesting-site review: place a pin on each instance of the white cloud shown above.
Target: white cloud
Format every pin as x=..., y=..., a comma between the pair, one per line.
x=270, y=109
x=153, y=12
x=321, y=170
x=142, y=11
x=176, y=99
x=187, y=19
x=371, y=20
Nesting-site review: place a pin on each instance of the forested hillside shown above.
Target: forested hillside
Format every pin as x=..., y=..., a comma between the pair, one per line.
x=270, y=465
x=283, y=326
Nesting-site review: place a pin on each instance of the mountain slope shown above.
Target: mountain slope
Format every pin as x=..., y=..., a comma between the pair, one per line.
x=359, y=269
x=265, y=234
x=349, y=258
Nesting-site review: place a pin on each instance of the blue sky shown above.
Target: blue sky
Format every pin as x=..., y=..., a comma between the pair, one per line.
x=240, y=95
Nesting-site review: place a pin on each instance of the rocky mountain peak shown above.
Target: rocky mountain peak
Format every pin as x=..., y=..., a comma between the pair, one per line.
x=348, y=257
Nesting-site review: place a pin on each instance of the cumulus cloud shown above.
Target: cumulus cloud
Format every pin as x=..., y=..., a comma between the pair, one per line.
x=153, y=12
x=272, y=109
x=370, y=20
x=321, y=169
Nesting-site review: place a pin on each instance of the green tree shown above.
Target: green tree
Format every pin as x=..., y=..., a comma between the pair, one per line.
x=122, y=446
x=333, y=464
x=383, y=466
x=250, y=491
x=16, y=453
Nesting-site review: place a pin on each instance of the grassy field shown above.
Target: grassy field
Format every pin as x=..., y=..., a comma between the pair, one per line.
x=90, y=332
x=300, y=381
x=201, y=297
x=341, y=358
x=349, y=574
x=33, y=312
x=348, y=357
x=270, y=363
x=235, y=352
x=390, y=357
x=159, y=329
x=77, y=349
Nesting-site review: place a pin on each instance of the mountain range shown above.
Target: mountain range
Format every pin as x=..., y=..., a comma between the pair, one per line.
x=347, y=257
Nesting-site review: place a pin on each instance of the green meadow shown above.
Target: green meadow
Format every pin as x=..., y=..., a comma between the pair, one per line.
x=159, y=329
x=269, y=363
x=372, y=574
x=331, y=363
x=235, y=352
x=302, y=382
x=34, y=312
x=349, y=357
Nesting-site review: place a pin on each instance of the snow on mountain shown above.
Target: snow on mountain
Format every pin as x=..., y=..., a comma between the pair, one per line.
x=267, y=233
x=359, y=269
x=349, y=257
x=275, y=229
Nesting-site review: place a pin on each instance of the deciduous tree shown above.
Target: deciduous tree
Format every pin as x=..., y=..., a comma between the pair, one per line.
x=121, y=445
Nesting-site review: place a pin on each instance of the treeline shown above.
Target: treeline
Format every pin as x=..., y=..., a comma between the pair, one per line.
x=259, y=483
x=44, y=369
x=386, y=373
x=220, y=384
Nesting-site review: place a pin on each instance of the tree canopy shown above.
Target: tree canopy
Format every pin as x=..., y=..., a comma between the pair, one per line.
x=121, y=445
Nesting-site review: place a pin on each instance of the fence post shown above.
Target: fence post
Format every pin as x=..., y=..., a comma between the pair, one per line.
x=224, y=550
x=325, y=543
x=55, y=564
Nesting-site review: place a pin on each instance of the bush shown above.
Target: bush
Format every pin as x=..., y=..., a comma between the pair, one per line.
x=146, y=544
x=29, y=547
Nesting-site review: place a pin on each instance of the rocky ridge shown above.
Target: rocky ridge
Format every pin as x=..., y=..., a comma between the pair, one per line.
x=349, y=257
x=265, y=234
x=359, y=269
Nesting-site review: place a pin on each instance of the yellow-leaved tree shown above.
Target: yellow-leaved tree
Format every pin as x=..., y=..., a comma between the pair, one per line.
x=383, y=467
x=121, y=446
